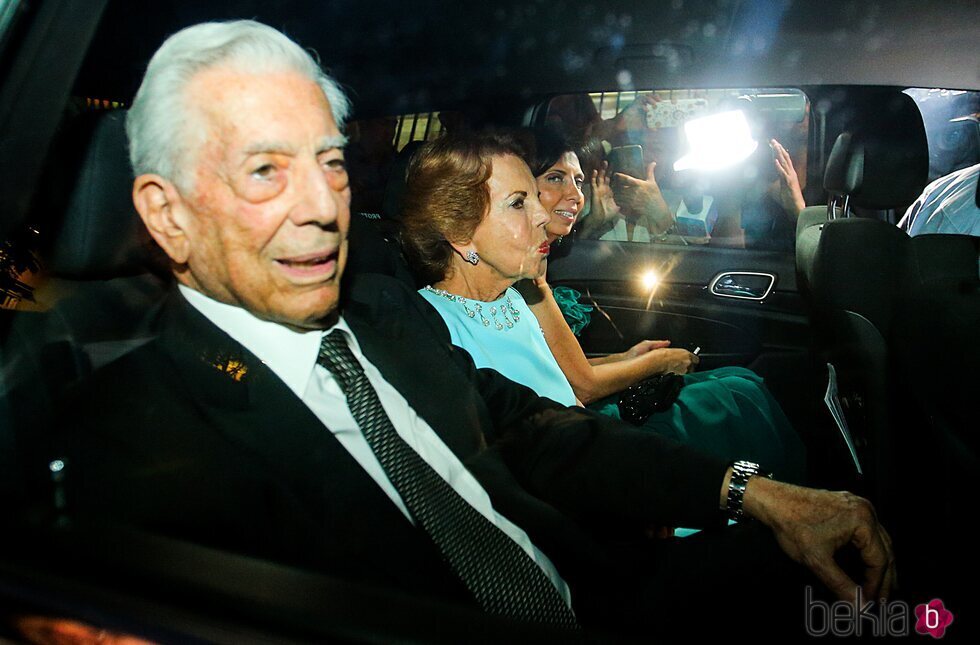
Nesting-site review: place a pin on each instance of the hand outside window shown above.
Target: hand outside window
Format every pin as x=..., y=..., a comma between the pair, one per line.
x=641, y=199
x=604, y=204
x=604, y=212
x=790, y=195
x=634, y=117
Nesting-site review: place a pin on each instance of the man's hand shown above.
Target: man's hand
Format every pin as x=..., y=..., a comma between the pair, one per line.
x=641, y=198
x=790, y=195
x=812, y=525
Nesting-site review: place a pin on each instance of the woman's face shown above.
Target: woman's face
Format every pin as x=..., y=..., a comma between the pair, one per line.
x=511, y=238
x=560, y=192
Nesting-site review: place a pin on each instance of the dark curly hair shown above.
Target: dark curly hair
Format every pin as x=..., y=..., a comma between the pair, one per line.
x=546, y=144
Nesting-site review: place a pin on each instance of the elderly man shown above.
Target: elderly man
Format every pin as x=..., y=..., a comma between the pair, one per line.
x=263, y=421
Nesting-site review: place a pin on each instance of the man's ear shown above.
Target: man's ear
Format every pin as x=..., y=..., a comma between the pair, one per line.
x=161, y=207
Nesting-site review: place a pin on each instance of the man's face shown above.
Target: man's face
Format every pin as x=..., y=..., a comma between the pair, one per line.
x=267, y=217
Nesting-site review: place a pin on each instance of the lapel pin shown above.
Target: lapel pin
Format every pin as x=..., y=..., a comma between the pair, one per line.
x=231, y=366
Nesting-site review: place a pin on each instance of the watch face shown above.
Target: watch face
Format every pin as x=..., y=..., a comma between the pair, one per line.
x=746, y=467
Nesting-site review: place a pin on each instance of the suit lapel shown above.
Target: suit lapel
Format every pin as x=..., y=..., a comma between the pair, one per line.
x=245, y=401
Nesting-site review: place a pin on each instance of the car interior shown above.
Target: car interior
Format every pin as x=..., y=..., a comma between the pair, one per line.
x=866, y=336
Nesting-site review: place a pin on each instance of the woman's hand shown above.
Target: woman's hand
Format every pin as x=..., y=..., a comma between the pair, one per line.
x=604, y=207
x=790, y=194
x=645, y=346
x=678, y=361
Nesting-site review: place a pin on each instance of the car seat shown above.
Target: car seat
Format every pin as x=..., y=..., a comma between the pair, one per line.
x=102, y=278
x=377, y=236
x=855, y=271
x=377, y=246
x=936, y=349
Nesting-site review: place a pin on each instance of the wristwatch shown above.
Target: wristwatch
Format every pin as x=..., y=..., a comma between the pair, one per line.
x=741, y=471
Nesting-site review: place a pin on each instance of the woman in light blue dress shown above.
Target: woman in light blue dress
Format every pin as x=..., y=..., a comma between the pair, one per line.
x=474, y=227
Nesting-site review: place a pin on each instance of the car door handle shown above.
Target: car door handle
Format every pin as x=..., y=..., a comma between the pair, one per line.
x=746, y=285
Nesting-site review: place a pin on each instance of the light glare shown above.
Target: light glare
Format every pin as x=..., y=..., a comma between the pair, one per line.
x=650, y=280
x=717, y=141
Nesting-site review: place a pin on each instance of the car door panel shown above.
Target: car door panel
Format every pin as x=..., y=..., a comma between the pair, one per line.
x=681, y=308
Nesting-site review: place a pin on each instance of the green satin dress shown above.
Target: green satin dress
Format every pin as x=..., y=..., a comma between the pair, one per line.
x=727, y=412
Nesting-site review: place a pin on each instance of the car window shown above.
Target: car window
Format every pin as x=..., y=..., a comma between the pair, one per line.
x=952, y=122
x=424, y=126
x=724, y=167
x=374, y=144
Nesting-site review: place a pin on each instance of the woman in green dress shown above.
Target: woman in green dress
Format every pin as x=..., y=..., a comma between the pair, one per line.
x=474, y=226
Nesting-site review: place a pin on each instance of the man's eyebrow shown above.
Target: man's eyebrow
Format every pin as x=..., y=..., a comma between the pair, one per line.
x=274, y=147
x=332, y=142
x=267, y=147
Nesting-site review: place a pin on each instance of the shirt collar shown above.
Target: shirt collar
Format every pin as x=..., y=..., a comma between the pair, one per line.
x=290, y=354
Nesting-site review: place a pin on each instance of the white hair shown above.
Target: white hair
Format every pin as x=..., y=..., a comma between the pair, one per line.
x=158, y=121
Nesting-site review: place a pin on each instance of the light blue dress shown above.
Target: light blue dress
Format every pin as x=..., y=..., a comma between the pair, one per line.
x=727, y=412
x=504, y=335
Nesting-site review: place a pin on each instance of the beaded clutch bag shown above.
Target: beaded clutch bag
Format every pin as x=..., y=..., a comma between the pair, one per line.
x=654, y=394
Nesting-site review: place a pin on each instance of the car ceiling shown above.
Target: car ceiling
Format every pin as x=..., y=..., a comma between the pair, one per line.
x=399, y=57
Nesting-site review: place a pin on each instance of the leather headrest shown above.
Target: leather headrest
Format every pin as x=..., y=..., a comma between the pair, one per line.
x=395, y=188
x=844, y=172
x=101, y=235
x=882, y=160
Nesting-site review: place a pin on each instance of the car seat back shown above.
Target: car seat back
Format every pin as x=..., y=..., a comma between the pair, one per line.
x=936, y=349
x=854, y=268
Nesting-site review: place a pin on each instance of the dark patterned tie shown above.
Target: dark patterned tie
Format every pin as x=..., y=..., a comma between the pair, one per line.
x=499, y=573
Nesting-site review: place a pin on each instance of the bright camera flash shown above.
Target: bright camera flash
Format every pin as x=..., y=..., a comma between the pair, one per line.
x=650, y=280
x=717, y=141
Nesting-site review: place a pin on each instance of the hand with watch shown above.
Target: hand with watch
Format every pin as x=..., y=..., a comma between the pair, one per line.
x=735, y=501
x=811, y=525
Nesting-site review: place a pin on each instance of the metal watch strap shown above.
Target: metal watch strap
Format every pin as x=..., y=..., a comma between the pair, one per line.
x=741, y=472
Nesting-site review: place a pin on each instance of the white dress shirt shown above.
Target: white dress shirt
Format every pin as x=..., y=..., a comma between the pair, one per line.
x=292, y=356
x=947, y=205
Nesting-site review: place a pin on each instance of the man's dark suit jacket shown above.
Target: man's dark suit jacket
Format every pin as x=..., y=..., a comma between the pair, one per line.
x=193, y=437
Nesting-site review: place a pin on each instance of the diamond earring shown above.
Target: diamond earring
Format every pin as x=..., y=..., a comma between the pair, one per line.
x=472, y=258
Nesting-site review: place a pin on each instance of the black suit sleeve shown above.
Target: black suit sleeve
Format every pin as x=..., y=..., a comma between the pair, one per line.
x=590, y=465
x=584, y=463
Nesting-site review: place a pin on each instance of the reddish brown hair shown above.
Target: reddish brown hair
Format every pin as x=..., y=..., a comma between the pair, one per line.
x=446, y=197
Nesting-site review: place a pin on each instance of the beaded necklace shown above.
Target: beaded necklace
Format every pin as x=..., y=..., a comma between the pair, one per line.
x=509, y=314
